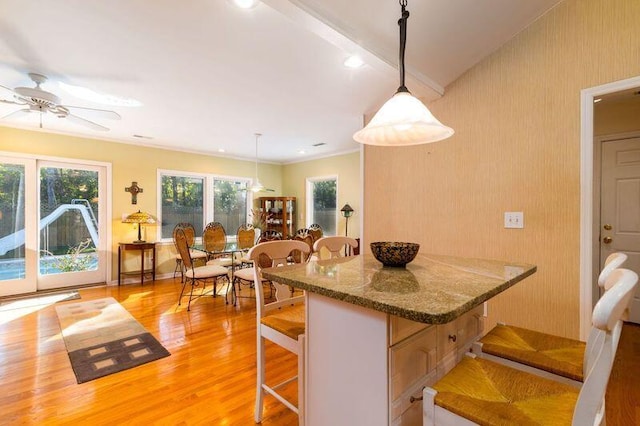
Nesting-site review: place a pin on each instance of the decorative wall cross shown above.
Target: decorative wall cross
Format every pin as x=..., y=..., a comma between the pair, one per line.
x=134, y=189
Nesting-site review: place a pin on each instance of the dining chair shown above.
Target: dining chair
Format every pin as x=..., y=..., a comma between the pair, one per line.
x=270, y=235
x=196, y=256
x=282, y=322
x=554, y=357
x=305, y=236
x=245, y=276
x=246, y=236
x=336, y=246
x=479, y=391
x=316, y=231
x=196, y=275
x=214, y=239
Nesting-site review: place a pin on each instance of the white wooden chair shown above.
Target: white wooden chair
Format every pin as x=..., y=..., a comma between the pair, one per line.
x=337, y=246
x=479, y=391
x=546, y=355
x=196, y=275
x=282, y=321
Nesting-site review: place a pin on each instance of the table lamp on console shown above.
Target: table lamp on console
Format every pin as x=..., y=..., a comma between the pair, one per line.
x=140, y=218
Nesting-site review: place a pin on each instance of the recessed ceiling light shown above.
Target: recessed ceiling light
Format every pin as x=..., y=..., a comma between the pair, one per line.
x=596, y=100
x=245, y=4
x=221, y=150
x=319, y=144
x=353, y=62
x=302, y=151
x=142, y=136
x=100, y=98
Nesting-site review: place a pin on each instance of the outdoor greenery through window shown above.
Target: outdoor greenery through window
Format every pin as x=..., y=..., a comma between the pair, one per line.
x=182, y=202
x=230, y=204
x=322, y=208
x=184, y=199
x=68, y=220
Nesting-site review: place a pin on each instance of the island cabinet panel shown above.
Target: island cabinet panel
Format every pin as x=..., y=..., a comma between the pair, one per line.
x=354, y=354
x=424, y=357
x=456, y=337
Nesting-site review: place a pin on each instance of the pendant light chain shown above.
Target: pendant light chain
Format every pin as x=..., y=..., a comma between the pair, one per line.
x=402, y=23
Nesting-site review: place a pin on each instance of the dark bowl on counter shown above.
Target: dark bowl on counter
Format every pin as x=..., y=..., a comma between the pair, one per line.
x=393, y=253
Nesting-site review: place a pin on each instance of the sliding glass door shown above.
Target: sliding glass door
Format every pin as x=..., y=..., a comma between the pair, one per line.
x=18, y=248
x=52, y=225
x=70, y=213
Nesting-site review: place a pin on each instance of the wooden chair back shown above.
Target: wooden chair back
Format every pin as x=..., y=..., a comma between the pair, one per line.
x=188, y=230
x=246, y=236
x=214, y=237
x=270, y=235
x=337, y=246
x=181, y=241
x=316, y=231
x=305, y=236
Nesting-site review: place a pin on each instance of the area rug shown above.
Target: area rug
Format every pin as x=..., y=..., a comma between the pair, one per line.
x=102, y=338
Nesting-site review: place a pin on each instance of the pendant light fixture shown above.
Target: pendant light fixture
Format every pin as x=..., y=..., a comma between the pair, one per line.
x=403, y=119
x=257, y=186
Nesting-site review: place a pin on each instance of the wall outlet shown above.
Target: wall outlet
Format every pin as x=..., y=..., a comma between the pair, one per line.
x=513, y=219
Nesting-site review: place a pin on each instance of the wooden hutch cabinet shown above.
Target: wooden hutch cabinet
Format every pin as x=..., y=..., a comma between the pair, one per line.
x=282, y=214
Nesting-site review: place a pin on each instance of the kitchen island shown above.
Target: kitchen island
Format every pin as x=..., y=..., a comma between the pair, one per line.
x=377, y=335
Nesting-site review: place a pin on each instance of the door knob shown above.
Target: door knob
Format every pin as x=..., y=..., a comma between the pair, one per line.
x=607, y=240
x=607, y=227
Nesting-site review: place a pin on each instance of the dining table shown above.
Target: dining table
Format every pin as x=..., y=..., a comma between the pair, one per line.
x=231, y=248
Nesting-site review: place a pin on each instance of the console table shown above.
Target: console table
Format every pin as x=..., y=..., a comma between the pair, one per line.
x=141, y=248
x=378, y=335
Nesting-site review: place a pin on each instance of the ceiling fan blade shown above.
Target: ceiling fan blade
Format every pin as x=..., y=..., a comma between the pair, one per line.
x=6, y=91
x=86, y=123
x=16, y=114
x=5, y=101
x=95, y=112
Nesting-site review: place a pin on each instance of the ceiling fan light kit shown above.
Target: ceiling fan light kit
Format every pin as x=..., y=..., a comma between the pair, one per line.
x=403, y=120
x=36, y=99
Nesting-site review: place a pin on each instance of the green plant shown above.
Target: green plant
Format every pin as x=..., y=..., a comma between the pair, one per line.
x=76, y=258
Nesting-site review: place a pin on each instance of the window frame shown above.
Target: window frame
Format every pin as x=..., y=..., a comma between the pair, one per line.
x=310, y=181
x=207, y=198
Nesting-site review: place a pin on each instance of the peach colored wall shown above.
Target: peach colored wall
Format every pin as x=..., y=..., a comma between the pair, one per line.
x=517, y=148
x=346, y=167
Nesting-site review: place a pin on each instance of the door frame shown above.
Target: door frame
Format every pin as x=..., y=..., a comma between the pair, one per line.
x=587, y=204
x=109, y=195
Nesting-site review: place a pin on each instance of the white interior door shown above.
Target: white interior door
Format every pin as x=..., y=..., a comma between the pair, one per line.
x=18, y=248
x=620, y=206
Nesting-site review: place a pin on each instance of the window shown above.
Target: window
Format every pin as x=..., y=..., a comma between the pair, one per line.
x=230, y=203
x=182, y=201
x=321, y=203
x=200, y=199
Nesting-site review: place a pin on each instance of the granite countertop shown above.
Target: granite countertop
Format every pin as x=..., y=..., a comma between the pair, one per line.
x=433, y=289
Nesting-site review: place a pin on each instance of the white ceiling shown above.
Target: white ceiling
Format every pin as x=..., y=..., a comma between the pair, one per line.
x=210, y=75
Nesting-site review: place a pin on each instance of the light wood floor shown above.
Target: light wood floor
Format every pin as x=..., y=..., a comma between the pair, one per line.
x=208, y=379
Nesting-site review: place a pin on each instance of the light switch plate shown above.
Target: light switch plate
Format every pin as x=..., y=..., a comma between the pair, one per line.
x=513, y=219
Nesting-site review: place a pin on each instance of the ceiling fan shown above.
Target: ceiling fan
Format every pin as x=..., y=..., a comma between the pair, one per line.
x=37, y=100
x=257, y=186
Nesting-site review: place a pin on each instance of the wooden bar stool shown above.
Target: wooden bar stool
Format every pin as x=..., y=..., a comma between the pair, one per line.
x=546, y=355
x=479, y=391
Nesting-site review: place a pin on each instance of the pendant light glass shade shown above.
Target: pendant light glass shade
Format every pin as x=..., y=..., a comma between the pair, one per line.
x=403, y=120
